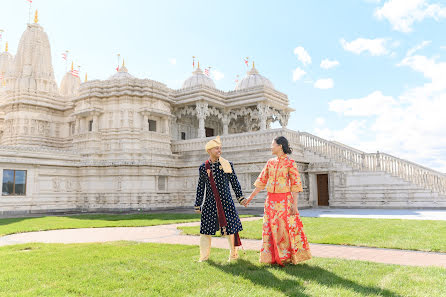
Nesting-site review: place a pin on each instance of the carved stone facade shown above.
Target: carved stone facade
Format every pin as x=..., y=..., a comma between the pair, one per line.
x=127, y=143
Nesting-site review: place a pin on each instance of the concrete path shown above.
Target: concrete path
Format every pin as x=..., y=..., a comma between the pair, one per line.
x=171, y=235
x=406, y=214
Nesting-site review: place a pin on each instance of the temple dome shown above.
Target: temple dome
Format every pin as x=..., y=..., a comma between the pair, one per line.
x=122, y=73
x=33, y=69
x=198, y=78
x=70, y=84
x=253, y=79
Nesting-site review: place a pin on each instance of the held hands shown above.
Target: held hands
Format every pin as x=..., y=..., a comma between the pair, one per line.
x=253, y=194
x=246, y=202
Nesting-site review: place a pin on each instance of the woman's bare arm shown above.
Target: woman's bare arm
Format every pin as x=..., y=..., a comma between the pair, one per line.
x=253, y=194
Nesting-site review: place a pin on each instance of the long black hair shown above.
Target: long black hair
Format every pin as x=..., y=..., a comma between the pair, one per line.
x=280, y=140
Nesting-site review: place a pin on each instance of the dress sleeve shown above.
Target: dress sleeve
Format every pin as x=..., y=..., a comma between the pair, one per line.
x=236, y=185
x=200, y=188
x=262, y=180
x=295, y=181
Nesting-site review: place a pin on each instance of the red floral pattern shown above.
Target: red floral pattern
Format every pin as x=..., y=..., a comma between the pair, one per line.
x=280, y=175
x=283, y=236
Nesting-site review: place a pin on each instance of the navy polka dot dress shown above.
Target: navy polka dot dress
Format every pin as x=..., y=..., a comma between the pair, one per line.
x=209, y=220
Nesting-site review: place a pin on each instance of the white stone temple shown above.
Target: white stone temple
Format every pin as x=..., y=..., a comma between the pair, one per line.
x=128, y=143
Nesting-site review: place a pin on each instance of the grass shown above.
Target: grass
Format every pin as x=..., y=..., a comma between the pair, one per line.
x=147, y=269
x=420, y=235
x=18, y=225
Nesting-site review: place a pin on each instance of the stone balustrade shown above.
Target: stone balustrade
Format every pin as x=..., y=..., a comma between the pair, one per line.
x=236, y=140
x=409, y=171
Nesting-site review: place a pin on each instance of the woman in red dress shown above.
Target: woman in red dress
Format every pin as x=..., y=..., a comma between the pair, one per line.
x=283, y=237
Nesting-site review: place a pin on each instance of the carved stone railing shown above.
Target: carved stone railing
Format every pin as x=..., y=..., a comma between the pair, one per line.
x=237, y=140
x=409, y=171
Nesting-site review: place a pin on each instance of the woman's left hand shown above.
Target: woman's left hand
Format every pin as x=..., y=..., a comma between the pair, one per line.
x=247, y=201
x=293, y=210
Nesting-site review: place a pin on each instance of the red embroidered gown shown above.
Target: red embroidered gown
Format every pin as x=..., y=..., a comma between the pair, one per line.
x=283, y=237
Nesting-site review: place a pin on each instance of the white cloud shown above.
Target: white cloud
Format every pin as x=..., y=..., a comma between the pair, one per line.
x=320, y=121
x=327, y=63
x=372, y=104
x=298, y=73
x=173, y=61
x=423, y=44
x=376, y=47
x=402, y=14
x=302, y=55
x=435, y=71
x=324, y=83
x=411, y=126
x=350, y=134
x=217, y=75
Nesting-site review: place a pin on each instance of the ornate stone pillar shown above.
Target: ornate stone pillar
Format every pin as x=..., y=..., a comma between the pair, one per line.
x=126, y=118
x=78, y=126
x=95, y=122
x=84, y=125
x=263, y=115
x=166, y=125
x=225, y=121
x=284, y=119
x=173, y=127
x=202, y=112
x=145, y=124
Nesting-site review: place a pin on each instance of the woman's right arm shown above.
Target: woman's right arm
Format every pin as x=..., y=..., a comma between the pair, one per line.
x=253, y=194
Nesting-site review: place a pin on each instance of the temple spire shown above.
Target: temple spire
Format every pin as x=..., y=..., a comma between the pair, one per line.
x=36, y=17
x=6, y=47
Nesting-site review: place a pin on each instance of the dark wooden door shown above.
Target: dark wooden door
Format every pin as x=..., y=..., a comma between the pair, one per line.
x=209, y=132
x=322, y=189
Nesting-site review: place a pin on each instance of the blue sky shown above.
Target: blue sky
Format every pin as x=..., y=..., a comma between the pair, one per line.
x=382, y=85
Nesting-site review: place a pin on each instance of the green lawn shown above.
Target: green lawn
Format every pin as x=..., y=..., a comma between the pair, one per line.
x=383, y=233
x=17, y=225
x=147, y=269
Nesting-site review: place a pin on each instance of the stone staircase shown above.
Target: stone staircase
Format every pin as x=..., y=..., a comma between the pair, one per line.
x=375, y=162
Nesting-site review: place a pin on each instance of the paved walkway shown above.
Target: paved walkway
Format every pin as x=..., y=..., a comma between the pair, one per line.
x=406, y=214
x=171, y=235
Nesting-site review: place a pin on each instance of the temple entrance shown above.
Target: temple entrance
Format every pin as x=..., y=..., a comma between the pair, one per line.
x=209, y=132
x=322, y=190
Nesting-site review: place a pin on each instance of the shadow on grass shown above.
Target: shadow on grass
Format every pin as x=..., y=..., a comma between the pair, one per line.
x=262, y=276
